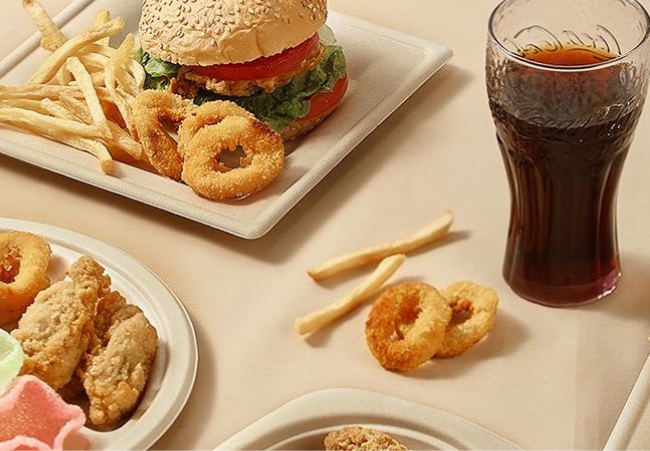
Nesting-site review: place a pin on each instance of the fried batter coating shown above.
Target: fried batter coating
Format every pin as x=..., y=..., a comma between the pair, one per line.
x=210, y=113
x=262, y=163
x=406, y=325
x=122, y=346
x=117, y=370
x=24, y=260
x=57, y=327
x=151, y=110
x=480, y=303
x=352, y=438
x=87, y=272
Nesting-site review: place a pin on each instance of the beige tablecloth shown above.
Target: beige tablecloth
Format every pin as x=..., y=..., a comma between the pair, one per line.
x=545, y=379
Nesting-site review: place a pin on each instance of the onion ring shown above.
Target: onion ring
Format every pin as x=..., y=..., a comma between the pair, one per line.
x=480, y=303
x=406, y=325
x=24, y=260
x=210, y=113
x=150, y=109
x=210, y=178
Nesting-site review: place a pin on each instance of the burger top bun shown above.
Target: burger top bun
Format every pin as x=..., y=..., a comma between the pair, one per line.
x=207, y=32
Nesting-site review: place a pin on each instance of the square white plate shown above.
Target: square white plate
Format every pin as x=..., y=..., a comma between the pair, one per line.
x=303, y=423
x=385, y=68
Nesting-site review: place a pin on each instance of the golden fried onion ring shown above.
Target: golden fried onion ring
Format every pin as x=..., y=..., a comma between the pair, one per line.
x=151, y=110
x=210, y=113
x=480, y=303
x=210, y=178
x=24, y=259
x=406, y=325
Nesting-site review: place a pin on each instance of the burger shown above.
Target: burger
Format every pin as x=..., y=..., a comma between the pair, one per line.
x=275, y=58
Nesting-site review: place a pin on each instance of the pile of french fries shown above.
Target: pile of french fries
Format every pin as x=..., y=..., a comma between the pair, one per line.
x=81, y=94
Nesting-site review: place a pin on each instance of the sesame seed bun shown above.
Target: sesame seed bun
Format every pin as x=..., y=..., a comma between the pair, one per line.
x=207, y=32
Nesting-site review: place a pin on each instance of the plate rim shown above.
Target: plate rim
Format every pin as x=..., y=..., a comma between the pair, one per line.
x=632, y=413
x=367, y=404
x=135, y=269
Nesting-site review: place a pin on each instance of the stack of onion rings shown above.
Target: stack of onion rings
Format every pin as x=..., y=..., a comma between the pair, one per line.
x=406, y=325
x=204, y=132
x=24, y=260
x=412, y=322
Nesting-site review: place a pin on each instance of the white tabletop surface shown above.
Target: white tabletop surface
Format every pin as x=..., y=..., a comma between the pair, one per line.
x=544, y=379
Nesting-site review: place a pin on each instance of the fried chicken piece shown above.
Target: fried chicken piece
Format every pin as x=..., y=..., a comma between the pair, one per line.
x=56, y=329
x=80, y=331
x=86, y=271
x=117, y=369
x=361, y=438
x=122, y=347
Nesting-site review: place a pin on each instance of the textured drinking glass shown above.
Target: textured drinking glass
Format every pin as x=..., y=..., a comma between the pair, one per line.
x=566, y=82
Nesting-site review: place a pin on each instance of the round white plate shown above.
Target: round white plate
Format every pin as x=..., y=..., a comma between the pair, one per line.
x=172, y=376
x=303, y=423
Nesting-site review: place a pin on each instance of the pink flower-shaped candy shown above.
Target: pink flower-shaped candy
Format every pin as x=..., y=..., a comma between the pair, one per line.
x=34, y=416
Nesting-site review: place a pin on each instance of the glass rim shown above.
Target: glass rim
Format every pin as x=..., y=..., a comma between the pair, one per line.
x=568, y=68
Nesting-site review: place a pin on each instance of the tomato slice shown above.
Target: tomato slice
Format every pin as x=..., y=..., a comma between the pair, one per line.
x=324, y=102
x=264, y=67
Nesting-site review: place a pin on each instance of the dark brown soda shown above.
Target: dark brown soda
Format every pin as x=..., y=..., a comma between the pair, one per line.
x=562, y=241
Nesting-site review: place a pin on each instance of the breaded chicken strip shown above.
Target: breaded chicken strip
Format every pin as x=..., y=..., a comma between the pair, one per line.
x=87, y=270
x=117, y=370
x=56, y=328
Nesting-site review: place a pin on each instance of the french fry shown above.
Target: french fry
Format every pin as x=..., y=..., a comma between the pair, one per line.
x=120, y=140
x=85, y=83
x=27, y=104
x=72, y=47
x=56, y=109
x=96, y=148
x=123, y=141
x=43, y=124
x=427, y=235
x=63, y=77
x=116, y=68
x=77, y=108
x=101, y=17
x=138, y=73
x=40, y=91
x=93, y=62
x=112, y=78
x=65, y=131
x=315, y=321
x=52, y=37
x=100, y=49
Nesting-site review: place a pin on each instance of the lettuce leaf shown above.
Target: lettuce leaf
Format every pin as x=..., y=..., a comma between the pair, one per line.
x=279, y=108
x=159, y=72
x=290, y=102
